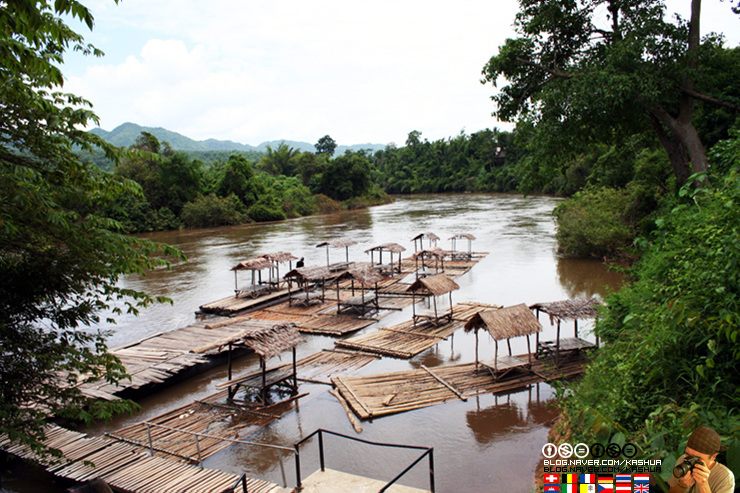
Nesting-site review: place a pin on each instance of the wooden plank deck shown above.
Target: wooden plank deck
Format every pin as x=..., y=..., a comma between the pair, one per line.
x=322, y=366
x=394, y=392
x=232, y=305
x=406, y=340
x=128, y=468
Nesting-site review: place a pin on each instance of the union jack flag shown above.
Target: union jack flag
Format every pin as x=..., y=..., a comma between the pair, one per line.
x=642, y=488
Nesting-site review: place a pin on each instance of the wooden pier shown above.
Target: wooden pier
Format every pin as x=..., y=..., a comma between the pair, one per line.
x=129, y=468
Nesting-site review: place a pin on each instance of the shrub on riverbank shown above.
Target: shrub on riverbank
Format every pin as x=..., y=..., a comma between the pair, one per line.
x=210, y=210
x=670, y=355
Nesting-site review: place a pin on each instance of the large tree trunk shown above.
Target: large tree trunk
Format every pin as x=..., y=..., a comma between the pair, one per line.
x=681, y=140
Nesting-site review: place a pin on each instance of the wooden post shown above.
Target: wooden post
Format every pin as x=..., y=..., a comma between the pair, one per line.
x=295, y=372
x=476, y=349
x=529, y=351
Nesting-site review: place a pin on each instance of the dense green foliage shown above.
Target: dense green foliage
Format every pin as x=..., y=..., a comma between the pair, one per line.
x=484, y=161
x=671, y=336
x=59, y=258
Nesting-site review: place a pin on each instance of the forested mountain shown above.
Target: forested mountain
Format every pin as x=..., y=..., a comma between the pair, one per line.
x=125, y=135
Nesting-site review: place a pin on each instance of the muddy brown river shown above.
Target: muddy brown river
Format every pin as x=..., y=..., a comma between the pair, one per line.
x=489, y=443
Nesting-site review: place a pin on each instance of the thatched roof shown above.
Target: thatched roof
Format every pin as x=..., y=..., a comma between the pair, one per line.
x=363, y=273
x=430, y=236
x=258, y=263
x=280, y=257
x=309, y=273
x=467, y=236
x=575, y=309
x=341, y=242
x=430, y=253
x=272, y=341
x=505, y=323
x=387, y=247
x=437, y=285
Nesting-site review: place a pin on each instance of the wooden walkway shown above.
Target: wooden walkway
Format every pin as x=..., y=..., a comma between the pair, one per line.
x=405, y=340
x=129, y=468
x=371, y=396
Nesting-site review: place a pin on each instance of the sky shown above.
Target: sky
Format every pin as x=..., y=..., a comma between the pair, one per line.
x=252, y=71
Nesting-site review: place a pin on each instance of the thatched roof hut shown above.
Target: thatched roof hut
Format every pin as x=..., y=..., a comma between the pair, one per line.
x=256, y=266
x=278, y=258
x=272, y=341
x=462, y=236
x=338, y=243
x=575, y=309
x=419, y=240
x=267, y=342
x=434, y=253
x=391, y=248
x=505, y=323
x=368, y=279
x=305, y=277
x=436, y=285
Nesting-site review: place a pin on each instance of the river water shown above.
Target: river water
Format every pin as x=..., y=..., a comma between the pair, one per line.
x=486, y=444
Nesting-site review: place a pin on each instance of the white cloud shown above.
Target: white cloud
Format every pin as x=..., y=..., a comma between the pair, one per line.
x=264, y=70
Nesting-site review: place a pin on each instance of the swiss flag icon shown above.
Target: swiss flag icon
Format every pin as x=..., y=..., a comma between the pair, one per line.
x=552, y=478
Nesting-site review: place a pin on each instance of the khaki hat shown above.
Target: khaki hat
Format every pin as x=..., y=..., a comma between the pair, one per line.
x=705, y=441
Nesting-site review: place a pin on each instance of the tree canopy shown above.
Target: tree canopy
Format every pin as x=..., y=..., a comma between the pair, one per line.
x=59, y=258
x=570, y=73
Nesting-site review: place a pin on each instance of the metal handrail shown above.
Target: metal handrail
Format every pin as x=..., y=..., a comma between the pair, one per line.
x=428, y=451
x=243, y=480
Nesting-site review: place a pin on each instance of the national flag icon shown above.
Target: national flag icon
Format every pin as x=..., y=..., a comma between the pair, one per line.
x=623, y=487
x=587, y=478
x=641, y=478
x=641, y=488
x=623, y=478
x=606, y=488
x=568, y=488
x=552, y=488
x=552, y=478
x=586, y=488
x=570, y=478
x=606, y=479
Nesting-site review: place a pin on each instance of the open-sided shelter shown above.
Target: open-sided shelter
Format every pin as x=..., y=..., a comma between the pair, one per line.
x=338, y=243
x=267, y=342
x=391, y=248
x=255, y=266
x=419, y=240
x=278, y=258
x=505, y=323
x=435, y=254
x=367, y=300
x=434, y=286
x=462, y=255
x=308, y=279
x=564, y=310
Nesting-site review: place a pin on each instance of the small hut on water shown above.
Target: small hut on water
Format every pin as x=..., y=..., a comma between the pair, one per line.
x=436, y=254
x=419, y=240
x=278, y=258
x=434, y=286
x=339, y=243
x=462, y=255
x=367, y=300
x=267, y=342
x=308, y=279
x=505, y=323
x=255, y=266
x=391, y=248
x=575, y=309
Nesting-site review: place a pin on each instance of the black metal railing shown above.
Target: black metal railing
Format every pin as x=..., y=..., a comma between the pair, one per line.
x=428, y=451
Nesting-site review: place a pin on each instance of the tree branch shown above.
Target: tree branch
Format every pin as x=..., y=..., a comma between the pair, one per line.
x=555, y=73
x=708, y=99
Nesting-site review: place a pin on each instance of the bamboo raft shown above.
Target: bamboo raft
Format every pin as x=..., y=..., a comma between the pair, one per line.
x=232, y=305
x=322, y=366
x=216, y=423
x=406, y=340
x=128, y=468
x=372, y=396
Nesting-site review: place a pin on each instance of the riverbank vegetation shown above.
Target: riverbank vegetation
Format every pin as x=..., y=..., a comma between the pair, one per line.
x=637, y=121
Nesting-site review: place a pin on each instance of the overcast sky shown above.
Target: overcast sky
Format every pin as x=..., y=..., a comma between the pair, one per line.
x=253, y=71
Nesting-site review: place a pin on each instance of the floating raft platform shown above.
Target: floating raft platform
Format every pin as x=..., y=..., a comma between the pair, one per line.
x=129, y=468
x=232, y=305
x=372, y=396
x=406, y=340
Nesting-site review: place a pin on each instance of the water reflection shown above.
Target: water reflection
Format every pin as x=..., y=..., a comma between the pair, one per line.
x=585, y=278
